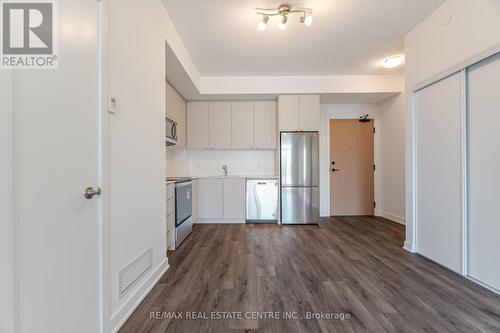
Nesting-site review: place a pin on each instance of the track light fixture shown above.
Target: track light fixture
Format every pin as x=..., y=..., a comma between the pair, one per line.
x=283, y=11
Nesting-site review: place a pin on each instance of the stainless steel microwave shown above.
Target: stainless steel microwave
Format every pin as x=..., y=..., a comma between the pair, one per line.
x=171, y=132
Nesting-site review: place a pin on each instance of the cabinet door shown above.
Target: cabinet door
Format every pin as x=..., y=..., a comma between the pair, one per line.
x=198, y=125
x=265, y=124
x=242, y=129
x=234, y=198
x=220, y=125
x=288, y=112
x=209, y=198
x=309, y=106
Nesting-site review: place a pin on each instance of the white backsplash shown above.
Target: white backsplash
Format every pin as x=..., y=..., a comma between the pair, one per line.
x=239, y=162
x=177, y=162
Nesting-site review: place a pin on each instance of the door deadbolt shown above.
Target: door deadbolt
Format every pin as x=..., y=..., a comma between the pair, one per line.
x=90, y=192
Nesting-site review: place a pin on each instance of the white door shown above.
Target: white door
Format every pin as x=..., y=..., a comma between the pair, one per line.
x=220, y=125
x=439, y=172
x=265, y=124
x=242, y=128
x=484, y=165
x=56, y=157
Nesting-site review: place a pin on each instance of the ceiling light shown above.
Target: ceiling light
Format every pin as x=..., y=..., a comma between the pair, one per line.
x=393, y=61
x=282, y=24
x=307, y=19
x=283, y=11
x=262, y=24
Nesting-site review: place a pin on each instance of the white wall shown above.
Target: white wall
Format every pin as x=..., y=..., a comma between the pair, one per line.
x=136, y=175
x=435, y=46
x=301, y=84
x=6, y=212
x=392, y=158
x=389, y=153
x=239, y=162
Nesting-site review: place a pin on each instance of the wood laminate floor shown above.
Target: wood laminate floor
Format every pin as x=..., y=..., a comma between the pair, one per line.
x=351, y=265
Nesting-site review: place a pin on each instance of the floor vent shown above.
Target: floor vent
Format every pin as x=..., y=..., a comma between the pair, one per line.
x=130, y=274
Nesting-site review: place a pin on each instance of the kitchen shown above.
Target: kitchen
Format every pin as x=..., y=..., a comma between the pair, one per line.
x=325, y=161
x=229, y=153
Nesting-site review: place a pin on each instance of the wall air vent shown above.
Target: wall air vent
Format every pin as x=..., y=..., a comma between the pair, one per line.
x=129, y=275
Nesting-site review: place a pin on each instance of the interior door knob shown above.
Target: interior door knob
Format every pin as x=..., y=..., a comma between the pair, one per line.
x=90, y=192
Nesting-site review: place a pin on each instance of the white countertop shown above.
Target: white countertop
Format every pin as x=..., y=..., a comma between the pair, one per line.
x=237, y=177
x=170, y=182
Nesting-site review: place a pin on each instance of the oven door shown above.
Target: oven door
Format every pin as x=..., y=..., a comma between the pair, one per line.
x=183, y=202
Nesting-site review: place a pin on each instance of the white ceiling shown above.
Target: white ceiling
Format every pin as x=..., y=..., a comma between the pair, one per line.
x=346, y=37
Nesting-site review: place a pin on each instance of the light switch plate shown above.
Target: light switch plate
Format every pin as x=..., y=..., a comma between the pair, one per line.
x=112, y=104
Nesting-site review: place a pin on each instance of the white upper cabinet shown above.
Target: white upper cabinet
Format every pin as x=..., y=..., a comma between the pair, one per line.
x=220, y=125
x=232, y=125
x=176, y=110
x=242, y=131
x=288, y=112
x=234, y=198
x=298, y=112
x=265, y=125
x=309, y=107
x=198, y=125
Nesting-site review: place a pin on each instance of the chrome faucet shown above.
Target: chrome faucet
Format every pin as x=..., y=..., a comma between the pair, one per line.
x=224, y=167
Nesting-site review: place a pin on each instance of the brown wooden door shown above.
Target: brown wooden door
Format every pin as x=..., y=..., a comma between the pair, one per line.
x=351, y=167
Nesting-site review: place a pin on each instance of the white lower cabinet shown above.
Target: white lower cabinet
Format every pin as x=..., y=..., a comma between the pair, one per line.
x=221, y=200
x=209, y=198
x=234, y=198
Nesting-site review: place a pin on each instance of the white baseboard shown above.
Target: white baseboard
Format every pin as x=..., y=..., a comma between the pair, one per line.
x=409, y=247
x=134, y=299
x=394, y=218
x=220, y=221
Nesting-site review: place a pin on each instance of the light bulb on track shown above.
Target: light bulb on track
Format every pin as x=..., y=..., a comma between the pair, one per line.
x=282, y=25
x=308, y=20
x=262, y=24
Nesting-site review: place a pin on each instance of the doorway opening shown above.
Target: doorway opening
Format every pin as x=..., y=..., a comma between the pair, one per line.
x=352, y=167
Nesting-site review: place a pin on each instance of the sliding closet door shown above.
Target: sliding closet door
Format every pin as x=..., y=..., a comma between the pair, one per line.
x=438, y=113
x=484, y=171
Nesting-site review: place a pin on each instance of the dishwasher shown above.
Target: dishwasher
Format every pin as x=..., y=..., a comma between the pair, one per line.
x=262, y=201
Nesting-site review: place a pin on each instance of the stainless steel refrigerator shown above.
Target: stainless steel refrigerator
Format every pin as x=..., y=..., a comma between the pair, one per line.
x=299, y=153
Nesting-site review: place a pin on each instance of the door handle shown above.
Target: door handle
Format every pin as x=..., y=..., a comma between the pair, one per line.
x=333, y=170
x=90, y=192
